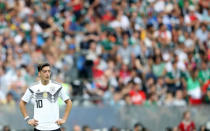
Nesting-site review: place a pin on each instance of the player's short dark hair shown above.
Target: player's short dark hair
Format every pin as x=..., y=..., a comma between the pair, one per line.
x=42, y=65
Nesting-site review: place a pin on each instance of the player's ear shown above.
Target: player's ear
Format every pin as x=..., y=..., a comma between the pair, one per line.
x=39, y=74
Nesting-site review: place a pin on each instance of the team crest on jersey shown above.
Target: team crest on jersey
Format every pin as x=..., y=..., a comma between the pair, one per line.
x=45, y=95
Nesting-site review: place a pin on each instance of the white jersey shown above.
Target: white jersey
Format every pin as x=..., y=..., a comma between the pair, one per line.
x=46, y=108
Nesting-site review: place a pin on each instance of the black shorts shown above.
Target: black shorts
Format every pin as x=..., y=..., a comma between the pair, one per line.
x=50, y=130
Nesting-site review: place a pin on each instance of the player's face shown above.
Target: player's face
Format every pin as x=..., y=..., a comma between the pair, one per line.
x=45, y=73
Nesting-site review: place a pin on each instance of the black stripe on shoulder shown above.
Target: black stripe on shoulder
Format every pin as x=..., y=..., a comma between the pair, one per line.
x=57, y=92
x=30, y=90
x=56, y=83
x=59, y=89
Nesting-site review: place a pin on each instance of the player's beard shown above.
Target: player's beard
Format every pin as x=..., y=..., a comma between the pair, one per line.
x=46, y=80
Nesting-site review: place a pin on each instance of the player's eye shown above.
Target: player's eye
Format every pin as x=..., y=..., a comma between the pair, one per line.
x=44, y=71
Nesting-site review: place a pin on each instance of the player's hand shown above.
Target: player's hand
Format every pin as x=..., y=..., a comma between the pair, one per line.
x=33, y=122
x=61, y=121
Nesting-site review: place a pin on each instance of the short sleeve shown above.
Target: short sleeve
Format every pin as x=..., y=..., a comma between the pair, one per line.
x=63, y=94
x=27, y=96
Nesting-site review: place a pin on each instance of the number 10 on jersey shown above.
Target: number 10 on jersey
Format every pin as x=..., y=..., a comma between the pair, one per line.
x=39, y=104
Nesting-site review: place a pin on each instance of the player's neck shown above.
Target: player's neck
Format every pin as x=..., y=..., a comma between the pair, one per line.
x=44, y=82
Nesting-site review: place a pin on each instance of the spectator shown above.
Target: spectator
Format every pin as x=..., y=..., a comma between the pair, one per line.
x=173, y=79
x=106, y=47
x=76, y=128
x=193, y=88
x=206, y=127
x=172, y=129
x=179, y=100
x=161, y=88
x=139, y=127
x=10, y=100
x=158, y=67
x=86, y=128
x=187, y=124
x=6, y=128
x=169, y=99
x=205, y=87
x=137, y=95
x=3, y=84
x=202, y=35
x=204, y=73
x=124, y=73
x=163, y=36
x=125, y=51
x=116, y=100
x=128, y=101
x=152, y=100
x=113, y=128
x=206, y=97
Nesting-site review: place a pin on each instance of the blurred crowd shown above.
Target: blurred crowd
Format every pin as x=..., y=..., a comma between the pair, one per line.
x=113, y=52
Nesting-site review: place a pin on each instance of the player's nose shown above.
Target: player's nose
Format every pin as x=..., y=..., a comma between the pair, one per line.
x=47, y=74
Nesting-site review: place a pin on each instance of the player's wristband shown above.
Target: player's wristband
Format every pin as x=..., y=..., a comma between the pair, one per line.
x=27, y=118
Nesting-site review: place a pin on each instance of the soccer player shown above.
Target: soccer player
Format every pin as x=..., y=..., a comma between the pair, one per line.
x=45, y=94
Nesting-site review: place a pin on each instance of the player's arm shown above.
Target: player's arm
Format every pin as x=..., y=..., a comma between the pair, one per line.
x=66, y=113
x=25, y=99
x=68, y=108
x=22, y=105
